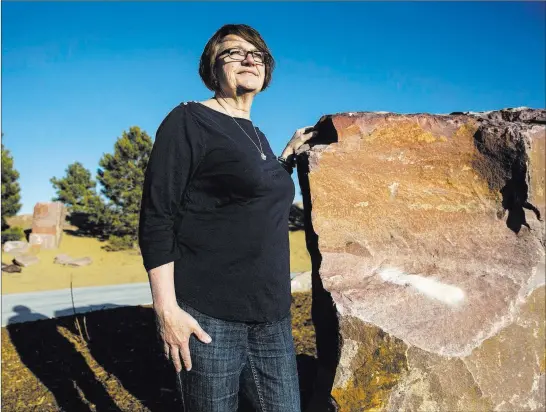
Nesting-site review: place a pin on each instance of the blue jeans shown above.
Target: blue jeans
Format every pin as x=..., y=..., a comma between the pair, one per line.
x=253, y=360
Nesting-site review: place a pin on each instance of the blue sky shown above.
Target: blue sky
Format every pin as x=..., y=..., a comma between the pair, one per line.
x=76, y=75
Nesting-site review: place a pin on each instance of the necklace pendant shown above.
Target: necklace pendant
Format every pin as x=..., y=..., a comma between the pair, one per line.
x=263, y=157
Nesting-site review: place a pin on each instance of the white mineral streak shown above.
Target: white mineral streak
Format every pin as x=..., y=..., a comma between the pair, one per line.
x=393, y=189
x=362, y=204
x=457, y=301
x=448, y=294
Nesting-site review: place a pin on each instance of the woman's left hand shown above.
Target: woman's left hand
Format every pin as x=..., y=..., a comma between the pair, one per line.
x=299, y=138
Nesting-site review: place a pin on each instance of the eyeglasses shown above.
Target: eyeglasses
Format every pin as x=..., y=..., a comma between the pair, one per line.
x=239, y=55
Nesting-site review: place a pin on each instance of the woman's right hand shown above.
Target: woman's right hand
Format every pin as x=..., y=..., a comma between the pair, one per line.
x=175, y=327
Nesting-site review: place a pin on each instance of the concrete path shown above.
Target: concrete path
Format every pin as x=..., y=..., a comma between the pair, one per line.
x=26, y=307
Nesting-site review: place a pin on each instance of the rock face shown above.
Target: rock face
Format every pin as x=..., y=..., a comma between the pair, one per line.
x=427, y=245
x=26, y=260
x=11, y=268
x=16, y=247
x=47, y=223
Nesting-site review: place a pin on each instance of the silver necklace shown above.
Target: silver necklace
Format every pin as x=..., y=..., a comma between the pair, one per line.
x=263, y=156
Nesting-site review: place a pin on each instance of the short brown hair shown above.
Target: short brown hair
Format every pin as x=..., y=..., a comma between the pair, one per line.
x=208, y=57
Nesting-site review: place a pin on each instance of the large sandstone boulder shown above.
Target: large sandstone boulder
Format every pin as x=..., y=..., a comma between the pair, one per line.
x=427, y=239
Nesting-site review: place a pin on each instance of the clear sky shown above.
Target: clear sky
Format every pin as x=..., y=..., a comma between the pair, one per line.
x=76, y=75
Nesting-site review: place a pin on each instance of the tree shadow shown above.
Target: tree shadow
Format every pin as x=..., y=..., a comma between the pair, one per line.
x=84, y=226
x=55, y=361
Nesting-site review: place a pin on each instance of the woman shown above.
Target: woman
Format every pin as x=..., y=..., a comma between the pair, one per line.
x=214, y=237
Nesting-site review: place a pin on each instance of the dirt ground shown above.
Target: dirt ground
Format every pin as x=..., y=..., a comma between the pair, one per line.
x=114, y=364
x=108, y=268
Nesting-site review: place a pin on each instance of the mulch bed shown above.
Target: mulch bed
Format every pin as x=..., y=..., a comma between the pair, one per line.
x=112, y=361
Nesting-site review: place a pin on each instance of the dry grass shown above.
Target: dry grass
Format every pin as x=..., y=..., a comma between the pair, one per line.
x=46, y=366
x=300, y=261
x=108, y=268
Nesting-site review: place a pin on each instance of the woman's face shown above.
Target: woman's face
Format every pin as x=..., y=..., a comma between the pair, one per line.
x=247, y=75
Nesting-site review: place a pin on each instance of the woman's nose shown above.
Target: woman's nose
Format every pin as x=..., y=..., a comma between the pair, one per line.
x=249, y=59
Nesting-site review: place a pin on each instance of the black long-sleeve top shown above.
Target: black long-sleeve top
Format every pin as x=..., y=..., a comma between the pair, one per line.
x=220, y=212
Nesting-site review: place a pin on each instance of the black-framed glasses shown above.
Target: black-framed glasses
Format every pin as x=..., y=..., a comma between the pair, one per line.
x=239, y=55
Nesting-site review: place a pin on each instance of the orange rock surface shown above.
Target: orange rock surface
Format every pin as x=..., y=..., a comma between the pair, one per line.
x=428, y=230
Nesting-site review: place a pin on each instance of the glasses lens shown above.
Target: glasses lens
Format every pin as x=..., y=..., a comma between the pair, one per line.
x=237, y=54
x=240, y=55
x=258, y=57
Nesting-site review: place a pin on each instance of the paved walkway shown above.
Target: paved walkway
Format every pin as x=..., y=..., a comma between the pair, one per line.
x=25, y=307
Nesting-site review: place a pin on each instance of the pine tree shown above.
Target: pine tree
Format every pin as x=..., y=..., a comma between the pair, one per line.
x=85, y=207
x=10, y=187
x=121, y=175
x=76, y=189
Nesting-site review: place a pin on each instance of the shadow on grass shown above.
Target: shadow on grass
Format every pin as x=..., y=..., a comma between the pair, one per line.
x=123, y=341
x=54, y=360
x=83, y=233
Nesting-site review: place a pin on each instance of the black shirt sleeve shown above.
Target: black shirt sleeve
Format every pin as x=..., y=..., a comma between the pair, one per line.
x=176, y=153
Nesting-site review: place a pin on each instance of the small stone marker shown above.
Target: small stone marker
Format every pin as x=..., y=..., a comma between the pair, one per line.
x=47, y=223
x=16, y=247
x=26, y=260
x=69, y=261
